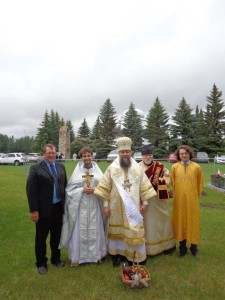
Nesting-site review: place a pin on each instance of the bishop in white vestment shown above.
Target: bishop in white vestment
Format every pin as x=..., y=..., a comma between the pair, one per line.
x=125, y=190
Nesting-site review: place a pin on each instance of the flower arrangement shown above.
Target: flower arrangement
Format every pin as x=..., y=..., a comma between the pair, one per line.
x=218, y=174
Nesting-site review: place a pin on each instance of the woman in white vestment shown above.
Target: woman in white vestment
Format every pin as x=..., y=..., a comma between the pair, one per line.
x=83, y=225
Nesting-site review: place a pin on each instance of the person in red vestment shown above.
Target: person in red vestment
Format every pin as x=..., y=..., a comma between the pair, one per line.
x=157, y=222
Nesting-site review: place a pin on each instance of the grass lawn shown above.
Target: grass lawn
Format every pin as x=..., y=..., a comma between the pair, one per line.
x=172, y=277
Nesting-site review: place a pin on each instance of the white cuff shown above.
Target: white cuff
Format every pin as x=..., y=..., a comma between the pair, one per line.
x=106, y=204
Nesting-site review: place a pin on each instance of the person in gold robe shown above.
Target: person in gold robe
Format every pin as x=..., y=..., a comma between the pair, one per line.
x=125, y=190
x=157, y=220
x=187, y=179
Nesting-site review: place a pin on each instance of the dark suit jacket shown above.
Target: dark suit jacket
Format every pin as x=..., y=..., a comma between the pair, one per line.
x=40, y=187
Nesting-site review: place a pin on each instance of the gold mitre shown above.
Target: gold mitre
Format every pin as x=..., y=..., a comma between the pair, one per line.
x=124, y=143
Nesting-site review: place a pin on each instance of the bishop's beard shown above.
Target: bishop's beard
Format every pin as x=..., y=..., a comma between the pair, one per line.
x=125, y=162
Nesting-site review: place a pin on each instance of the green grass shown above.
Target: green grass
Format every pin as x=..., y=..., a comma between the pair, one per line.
x=172, y=277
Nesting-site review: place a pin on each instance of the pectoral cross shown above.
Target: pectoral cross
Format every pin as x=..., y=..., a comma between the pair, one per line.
x=88, y=178
x=127, y=185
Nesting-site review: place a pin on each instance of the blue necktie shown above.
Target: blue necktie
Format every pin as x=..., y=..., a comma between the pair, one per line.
x=55, y=181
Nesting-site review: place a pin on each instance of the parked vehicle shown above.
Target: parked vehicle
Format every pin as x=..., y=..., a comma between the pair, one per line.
x=99, y=156
x=202, y=157
x=15, y=159
x=219, y=159
x=1, y=154
x=34, y=157
x=112, y=155
x=172, y=158
x=137, y=156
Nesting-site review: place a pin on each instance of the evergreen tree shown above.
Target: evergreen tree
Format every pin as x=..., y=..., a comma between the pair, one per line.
x=24, y=144
x=4, y=143
x=54, y=129
x=157, y=127
x=48, y=132
x=98, y=145
x=96, y=130
x=182, y=130
x=107, y=118
x=44, y=133
x=214, y=121
x=62, y=122
x=200, y=131
x=84, y=130
x=132, y=127
x=72, y=134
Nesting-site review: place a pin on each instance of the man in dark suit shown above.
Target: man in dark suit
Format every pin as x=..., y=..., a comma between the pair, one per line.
x=46, y=196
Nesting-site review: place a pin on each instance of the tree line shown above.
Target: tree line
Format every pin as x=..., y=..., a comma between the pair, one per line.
x=201, y=129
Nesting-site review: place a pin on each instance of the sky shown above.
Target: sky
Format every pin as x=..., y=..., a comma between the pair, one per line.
x=70, y=56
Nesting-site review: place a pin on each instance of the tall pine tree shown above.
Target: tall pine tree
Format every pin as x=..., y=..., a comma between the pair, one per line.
x=96, y=130
x=84, y=130
x=182, y=130
x=132, y=127
x=107, y=118
x=44, y=133
x=48, y=132
x=72, y=134
x=200, y=131
x=157, y=126
x=214, y=121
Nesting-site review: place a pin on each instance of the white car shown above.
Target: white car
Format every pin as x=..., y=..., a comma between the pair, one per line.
x=112, y=155
x=137, y=156
x=15, y=158
x=1, y=154
x=219, y=159
x=33, y=157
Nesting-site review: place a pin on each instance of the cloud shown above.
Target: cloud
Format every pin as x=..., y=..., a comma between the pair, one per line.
x=71, y=56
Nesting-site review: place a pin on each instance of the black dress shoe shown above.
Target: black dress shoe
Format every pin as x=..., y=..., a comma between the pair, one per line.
x=116, y=260
x=129, y=263
x=181, y=254
x=195, y=254
x=59, y=264
x=42, y=270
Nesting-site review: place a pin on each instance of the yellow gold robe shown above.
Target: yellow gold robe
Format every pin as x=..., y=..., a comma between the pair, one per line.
x=187, y=186
x=125, y=240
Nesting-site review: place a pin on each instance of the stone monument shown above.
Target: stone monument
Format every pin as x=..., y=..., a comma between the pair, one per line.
x=218, y=182
x=64, y=141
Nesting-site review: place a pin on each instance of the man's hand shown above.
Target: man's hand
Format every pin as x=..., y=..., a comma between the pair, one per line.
x=143, y=208
x=88, y=190
x=107, y=212
x=34, y=215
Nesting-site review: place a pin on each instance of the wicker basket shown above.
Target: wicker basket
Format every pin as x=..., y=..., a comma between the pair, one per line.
x=135, y=276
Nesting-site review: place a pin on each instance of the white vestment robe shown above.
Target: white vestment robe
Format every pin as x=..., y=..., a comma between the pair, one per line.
x=83, y=227
x=122, y=238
